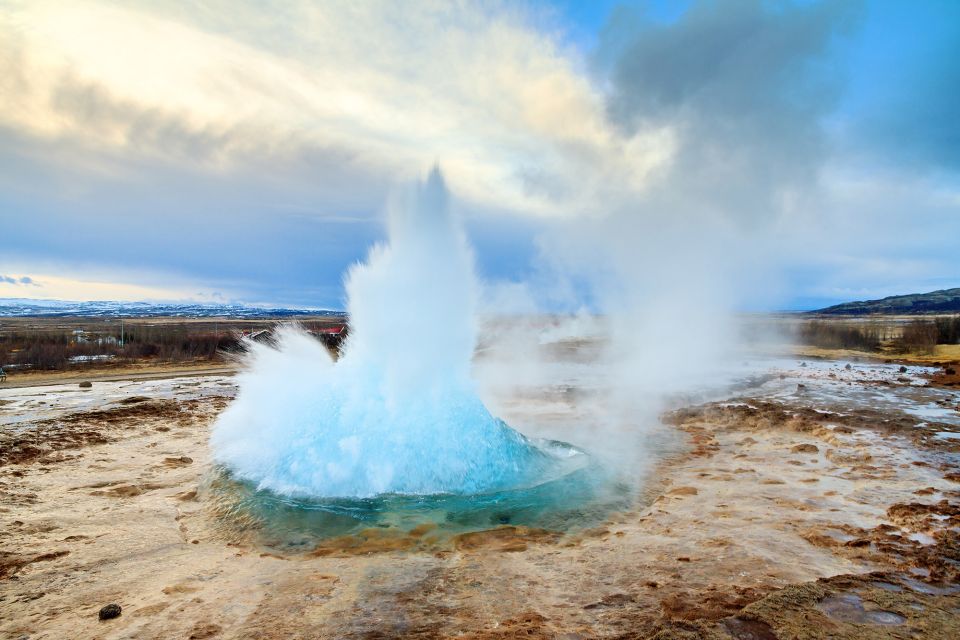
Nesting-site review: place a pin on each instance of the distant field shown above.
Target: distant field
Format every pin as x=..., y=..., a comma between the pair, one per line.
x=68, y=348
x=918, y=338
x=942, y=353
x=35, y=346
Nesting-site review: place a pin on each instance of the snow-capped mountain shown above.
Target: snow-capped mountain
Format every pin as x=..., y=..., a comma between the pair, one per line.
x=13, y=307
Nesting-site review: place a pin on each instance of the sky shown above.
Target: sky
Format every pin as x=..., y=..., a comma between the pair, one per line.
x=782, y=154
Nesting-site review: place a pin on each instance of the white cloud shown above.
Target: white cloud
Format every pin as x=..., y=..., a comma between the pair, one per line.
x=52, y=287
x=218, y=140
x=507, y=110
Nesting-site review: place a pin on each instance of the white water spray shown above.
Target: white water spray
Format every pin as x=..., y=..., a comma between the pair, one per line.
x=397, y=413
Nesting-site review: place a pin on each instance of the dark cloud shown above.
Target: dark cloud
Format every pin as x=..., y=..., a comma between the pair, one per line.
x=745, y=85
x=761, y=188
x=24, y=280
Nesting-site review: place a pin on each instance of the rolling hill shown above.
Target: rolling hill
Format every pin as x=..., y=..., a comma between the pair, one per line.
x=942, y=301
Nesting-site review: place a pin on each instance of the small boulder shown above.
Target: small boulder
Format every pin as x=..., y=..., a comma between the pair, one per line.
x=902, y=369
x=848, y=367
x=110, y=611
x=86, y=384
x=950, y=371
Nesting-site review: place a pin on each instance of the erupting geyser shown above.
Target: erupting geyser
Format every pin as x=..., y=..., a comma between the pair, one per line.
x=397, y=413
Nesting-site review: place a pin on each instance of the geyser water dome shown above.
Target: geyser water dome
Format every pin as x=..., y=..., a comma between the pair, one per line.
x=398, y=412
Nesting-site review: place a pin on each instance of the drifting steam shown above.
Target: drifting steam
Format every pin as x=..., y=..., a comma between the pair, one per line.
x=397, y=413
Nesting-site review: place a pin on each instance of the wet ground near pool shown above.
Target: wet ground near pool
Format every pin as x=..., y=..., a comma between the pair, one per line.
x=580, y=497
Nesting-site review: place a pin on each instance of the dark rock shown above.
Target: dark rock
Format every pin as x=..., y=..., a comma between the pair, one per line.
x=743, y=629
x=86, y=384
x=903, y=369
x=110, y=611
x=950, y=371
x=805, y=448
x=848, y=367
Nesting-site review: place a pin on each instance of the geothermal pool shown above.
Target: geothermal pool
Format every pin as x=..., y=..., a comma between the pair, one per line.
x=579, y=496
x=391, y=432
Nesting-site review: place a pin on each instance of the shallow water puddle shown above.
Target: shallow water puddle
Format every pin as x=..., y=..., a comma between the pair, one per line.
x=849, y=608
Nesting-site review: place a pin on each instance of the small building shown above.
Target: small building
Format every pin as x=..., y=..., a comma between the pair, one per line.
x=332, y=336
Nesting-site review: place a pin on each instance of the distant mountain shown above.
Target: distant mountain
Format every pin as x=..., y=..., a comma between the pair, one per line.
x=20, y=307
x=943, y=301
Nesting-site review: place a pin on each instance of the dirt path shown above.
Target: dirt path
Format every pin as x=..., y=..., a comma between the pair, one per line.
x=159, y=373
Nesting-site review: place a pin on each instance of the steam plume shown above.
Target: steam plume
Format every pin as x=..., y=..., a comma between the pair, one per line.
x=398, y=412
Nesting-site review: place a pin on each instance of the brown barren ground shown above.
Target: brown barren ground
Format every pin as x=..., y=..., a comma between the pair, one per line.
x=777, y=521
x=137, y=371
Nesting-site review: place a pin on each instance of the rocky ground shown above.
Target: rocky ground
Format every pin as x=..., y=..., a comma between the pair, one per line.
x=823, y=501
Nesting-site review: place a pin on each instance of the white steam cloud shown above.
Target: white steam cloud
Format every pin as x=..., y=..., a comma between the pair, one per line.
x=397, y=413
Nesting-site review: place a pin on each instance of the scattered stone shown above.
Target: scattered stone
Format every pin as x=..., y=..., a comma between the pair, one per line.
x=805, y=448
x=204, y=630
x=178, y=461
x=134, y=399
x=903, y=369
x=86, y=384
x=683, y=491
x=848, y=367
x=613, y=600
x=110, y=611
